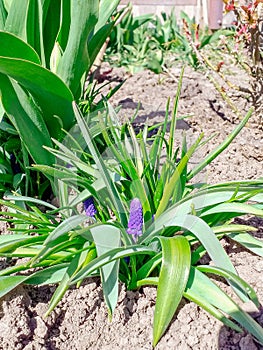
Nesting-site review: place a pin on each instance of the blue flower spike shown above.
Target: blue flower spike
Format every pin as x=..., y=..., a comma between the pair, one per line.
x=89, y=207
x=135, y=224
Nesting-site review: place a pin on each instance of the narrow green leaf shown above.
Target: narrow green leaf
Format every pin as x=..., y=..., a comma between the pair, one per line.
x=66, y=226
x=176, y=260
x=17, y=18
x=109, y=257
x=248, y=241
x=115, y=198
x=238, y=208
x=238, y=281
x=106, y=238
x=174, y=115
x=200, y=285
x=8, y=283
x=3, y=15
x=169, y=187
x=221, y=147
x=29, y=199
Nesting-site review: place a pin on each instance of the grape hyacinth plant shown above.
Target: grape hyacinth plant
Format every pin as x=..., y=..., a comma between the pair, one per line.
x=130, y=185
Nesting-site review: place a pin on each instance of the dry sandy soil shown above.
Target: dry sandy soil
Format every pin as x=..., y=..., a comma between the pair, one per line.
x=80, y=320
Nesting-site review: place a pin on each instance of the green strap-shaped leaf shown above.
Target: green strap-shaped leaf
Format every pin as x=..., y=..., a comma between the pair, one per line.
x=13, y=47
x=75, y=60
x=106, y=238
x=234, y=278
x=248, y=241
x=105, y=11
x=172, y=183
x=3, y=15
x=27, y=119
x=64, y=282
x=97, y=41
x=51, y=93
x=176, y=259
x=51, y=21
x=17, y=18
x=238, y=208
x=212, y=155
x=108, y=257
x=52, y=274
x=199, y=285
x=65, y=226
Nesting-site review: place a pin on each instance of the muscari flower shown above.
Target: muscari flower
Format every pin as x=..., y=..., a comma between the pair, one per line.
x=135, y=223
x=89, y=207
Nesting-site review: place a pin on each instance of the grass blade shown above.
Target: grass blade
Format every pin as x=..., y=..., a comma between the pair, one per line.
x=221, y=147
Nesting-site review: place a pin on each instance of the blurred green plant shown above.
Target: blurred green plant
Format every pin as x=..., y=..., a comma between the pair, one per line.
x=157, y=43
x=47, y=49
x=146, y=221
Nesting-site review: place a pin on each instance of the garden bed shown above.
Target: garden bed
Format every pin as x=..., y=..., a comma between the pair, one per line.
x=80, y=320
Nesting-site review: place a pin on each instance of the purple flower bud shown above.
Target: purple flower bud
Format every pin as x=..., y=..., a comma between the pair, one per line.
x=89, y=207
x=135, y=223
x=14, y=164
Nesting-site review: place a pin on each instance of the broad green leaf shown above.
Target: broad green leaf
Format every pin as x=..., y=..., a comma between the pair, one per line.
x=50, y=275
x=27, y=118
x=34, y=25
x=204, y=234
x=176, y=260
x=64, y=28
x=106, y=238
x=51, y=93
x=14, y=47
x=75, y=60
x=96, y=42
x=209, y=196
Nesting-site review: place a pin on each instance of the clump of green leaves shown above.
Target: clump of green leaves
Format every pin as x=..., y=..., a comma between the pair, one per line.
x=178, y=221
x=47, y=50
